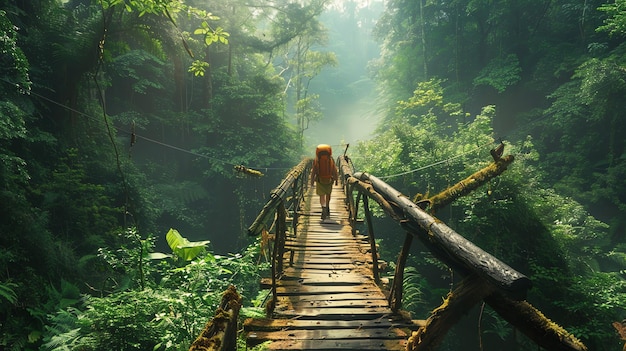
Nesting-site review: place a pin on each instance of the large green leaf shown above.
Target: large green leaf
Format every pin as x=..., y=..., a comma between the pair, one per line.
x=183, y=248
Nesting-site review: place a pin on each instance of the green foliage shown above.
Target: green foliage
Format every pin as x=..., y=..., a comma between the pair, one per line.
x=198, y=68
x=500, y=73
x=14, y=65
x=212, y=35
x=596, y=300
x=615, y=23
x=70, y=193
x=184, y=248
x=145, y=71
x=495, y=324
x=7, y=293
x=412, y=296
x=167, y=316
x=517, y=217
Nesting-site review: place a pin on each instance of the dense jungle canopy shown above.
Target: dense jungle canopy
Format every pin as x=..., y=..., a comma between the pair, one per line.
x=122, y=119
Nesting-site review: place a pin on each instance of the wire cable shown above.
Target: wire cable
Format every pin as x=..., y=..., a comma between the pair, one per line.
x=436, y=163
x=122, y=130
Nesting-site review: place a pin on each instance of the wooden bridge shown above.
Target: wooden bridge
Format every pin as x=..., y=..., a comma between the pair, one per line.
x=326, y=290
x=326, y=297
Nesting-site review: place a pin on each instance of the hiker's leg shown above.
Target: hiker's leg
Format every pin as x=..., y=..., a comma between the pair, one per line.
x=323, y=200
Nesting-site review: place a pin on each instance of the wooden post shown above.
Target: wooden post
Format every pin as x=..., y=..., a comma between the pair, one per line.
x=277, y=195
x=351, y=207
x=356, y=211
x=372, y=239
x=295, y=205
x=281, y=233
x=220, y=333
x=467, y=294
x=395, y=297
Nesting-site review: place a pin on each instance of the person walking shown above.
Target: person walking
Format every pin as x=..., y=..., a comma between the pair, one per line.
x=324, y=174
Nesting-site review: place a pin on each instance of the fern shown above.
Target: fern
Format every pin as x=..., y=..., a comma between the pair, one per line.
x=412, y=296
x=63, y=333
x=7, y=292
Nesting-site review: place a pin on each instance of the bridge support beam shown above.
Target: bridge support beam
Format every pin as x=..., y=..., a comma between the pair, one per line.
x=465, y=296
x=220, y=333
x=395, y=295
x=534, y=324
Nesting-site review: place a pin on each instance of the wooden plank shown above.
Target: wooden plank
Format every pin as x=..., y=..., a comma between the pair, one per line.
x=325, y=275
x=322, y=279
x=357, y=303
x=267, y=324
x=369, y=295
x=332, y=260
x=334, y=313
x=333, y=267
x=336, y=246
x=338, y=345
x=340, y=334
x=293, y=271
x=312, y=290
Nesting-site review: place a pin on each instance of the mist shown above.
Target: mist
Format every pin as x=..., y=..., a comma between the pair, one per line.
x=347, y=94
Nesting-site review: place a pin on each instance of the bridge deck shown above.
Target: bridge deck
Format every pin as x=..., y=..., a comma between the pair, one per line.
x=327, y=298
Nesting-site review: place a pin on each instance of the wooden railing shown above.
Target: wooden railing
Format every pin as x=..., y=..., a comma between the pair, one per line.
x=486, y=277
x=284, y=203
x=220, y=333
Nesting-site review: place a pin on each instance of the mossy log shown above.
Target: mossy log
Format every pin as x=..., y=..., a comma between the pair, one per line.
x=465, y=296
x=449, y=246
x=534, y=324
x=220, y=333
x=467, y=185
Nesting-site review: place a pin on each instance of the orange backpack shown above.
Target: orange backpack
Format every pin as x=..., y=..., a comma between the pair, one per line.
x=324, y=163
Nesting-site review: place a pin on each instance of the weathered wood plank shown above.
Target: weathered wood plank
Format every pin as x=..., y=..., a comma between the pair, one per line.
x=317, y=334
x=335, y=267
x=334, y=313
x=312, y=290
x=321, y=279
x=267, y=324
x=369, y=295
x=356, y=303
x=338, y=345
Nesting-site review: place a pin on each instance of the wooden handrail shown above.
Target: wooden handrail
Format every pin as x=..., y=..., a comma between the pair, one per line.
x=279, y=194
x=450, y=247
x=220, y=333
